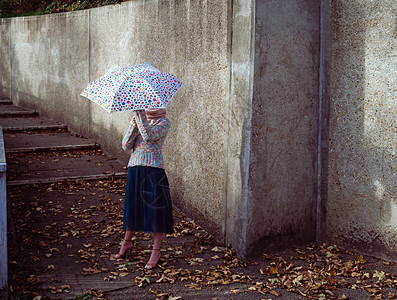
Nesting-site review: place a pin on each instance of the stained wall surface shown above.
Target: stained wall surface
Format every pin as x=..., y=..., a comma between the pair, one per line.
x=282, y=170
x=238, y=119
x=5, y=71
x=49, y=66
x=361, y=211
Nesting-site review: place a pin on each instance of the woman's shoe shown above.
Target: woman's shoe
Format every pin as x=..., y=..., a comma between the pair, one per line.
x=150, y=266
x=126, y=249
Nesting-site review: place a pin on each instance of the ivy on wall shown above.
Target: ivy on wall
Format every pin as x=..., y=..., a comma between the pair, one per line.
x=14, y=8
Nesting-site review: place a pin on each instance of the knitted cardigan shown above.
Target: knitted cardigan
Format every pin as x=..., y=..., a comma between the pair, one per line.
x=146, y=141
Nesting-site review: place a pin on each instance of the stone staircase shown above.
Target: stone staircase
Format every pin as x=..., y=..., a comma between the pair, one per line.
x=39, y=150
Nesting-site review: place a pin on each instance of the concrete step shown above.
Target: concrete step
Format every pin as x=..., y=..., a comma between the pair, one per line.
x=5, y=102
x=18, y=113
x=33, y=168
x=43, y=142
x=53, y=148
x=13, y=110
x=39, y=152
x=11, y=107
x=29, y=123
x=35, y=128
x=66, y=178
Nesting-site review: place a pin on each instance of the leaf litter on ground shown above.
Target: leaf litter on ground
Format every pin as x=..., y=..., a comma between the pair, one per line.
x=190, y=256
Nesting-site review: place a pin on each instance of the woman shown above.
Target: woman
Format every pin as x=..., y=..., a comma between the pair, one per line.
x=147, y=205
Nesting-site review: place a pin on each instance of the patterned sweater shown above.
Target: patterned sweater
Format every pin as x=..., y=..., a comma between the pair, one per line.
x=146, y=141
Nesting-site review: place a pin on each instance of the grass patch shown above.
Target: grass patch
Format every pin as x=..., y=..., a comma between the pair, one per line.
x=82, y=297
x=21, y=296
x=21, y=266
x=23, y=262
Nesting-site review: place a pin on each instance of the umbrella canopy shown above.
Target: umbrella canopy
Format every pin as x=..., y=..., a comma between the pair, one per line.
x=133, y=88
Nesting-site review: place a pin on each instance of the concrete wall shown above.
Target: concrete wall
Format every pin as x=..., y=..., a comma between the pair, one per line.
x=5, y=71
x=3, y=221
x=361, y=211
x=49, y=66
x=271, y=194
x=210, y=46
x=238, y=118
x=247, y=154
x=188, y=39
x=55, y=56
x=282, y=165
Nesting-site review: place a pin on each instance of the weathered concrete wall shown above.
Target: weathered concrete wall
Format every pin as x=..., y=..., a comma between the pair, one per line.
x=210, y=46
x=55, y=56
x=271, y=190
x=238, y=121
x=282, y=166
x=5, y=69
x=249, y=128
x=189, y=40
x=3, y=221
x=362, y=190
x=49, y=66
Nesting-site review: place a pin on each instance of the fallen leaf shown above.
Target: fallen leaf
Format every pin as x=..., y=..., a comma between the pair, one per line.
x=380, y=275
x=218, y=249
x=359, y=259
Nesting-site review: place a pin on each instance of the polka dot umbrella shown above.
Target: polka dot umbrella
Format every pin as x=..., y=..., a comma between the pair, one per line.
x=133, y=88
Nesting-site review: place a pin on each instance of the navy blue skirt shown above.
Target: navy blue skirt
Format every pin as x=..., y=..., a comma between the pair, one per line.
x=147, y=204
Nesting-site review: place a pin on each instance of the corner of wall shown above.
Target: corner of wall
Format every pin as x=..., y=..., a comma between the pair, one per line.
x=238, y=116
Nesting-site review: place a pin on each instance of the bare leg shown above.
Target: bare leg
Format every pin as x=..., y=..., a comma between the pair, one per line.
x=127, y=244
x=155, y=256
x=128, y=235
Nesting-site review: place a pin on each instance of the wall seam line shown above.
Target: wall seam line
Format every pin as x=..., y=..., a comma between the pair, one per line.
x=228, y=110
x=248, y=129
x=321, y=95
x=245, y=153
x=89, y=69
x=10, y=56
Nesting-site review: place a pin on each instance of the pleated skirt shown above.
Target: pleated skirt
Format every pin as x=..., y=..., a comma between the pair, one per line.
x=147, y=204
